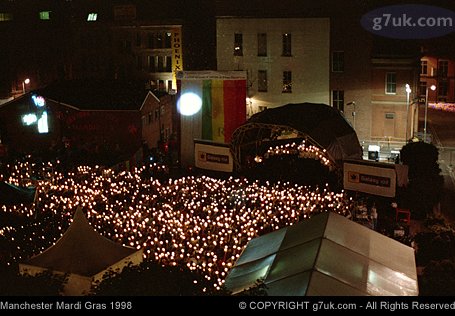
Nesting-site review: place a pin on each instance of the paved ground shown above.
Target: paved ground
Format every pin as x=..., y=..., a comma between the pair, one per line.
x=442, y=127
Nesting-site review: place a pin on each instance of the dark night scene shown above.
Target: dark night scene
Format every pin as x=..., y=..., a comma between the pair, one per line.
x=249, y=155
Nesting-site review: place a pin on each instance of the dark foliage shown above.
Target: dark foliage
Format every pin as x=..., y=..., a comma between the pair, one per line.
x=258, y=289
x=43, y=284
x=152, y=279
x=435, y=250
x=425, y=180
x=422, y=159
x=438, y=243
x=438, y=279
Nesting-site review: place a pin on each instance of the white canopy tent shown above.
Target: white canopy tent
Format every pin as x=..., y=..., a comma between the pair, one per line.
x=327, y=255
x=84, y=255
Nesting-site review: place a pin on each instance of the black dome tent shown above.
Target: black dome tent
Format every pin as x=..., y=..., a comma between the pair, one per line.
x=319, y=124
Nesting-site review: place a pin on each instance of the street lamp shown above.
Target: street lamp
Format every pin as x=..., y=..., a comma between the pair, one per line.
x=408, y=92
x=353, y=112
x=432, y=87
x=26, y=81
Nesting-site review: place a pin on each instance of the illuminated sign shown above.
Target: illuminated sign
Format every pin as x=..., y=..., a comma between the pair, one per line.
x=38, y=100
x=39, y=117
x=43, y=127
x=29, y=119
x=177, y=60
x=203, y=156
x=355, y=177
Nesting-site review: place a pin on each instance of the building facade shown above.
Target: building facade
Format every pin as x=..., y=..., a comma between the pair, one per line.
x=286, y=60
x=350, y=73
x=440, y=72
x=393, y=111
x=49, y=41
x=74, y=119
x=321, y=60
x=159, y=120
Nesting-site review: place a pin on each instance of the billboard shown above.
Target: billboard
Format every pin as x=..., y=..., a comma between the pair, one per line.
x=377, y=179
x=211, y=104
x=213, y=156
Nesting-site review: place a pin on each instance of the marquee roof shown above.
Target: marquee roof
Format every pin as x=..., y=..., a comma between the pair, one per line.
x=327, y=255
x=81, y=250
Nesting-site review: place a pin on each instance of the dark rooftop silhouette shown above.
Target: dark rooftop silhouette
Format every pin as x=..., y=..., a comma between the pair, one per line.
x=97, y=94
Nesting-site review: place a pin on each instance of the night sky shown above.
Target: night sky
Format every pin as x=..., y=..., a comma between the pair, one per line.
x=198, y=18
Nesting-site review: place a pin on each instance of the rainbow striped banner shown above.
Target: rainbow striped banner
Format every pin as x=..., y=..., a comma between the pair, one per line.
x=217, y=106
x=223, y=96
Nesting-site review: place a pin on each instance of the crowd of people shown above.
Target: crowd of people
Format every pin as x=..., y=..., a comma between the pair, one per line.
x=195, y=221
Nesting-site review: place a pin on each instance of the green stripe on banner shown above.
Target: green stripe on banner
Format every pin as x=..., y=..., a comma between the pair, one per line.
x=207, y=109
x=218, y=110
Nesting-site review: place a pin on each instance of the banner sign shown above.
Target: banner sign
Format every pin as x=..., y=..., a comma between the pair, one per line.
x=213, y=156
x=177, y=60
x=378, y=179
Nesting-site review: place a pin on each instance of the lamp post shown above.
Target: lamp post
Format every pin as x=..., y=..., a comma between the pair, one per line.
x=432, y=87
x=408, y=92
x=26, y=81
x=353, y=112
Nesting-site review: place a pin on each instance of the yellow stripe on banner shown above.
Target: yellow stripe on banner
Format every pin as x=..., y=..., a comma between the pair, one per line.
x=218, y=110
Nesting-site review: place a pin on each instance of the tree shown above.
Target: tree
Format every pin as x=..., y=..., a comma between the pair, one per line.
x=426, y=183
x=43, y=284
x=435, y=250
x=438, y=279
x=152, y=279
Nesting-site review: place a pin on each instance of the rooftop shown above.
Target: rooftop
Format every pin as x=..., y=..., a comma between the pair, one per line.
x=97, y=94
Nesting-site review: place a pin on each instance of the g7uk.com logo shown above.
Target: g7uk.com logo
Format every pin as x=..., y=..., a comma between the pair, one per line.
x=409, y=21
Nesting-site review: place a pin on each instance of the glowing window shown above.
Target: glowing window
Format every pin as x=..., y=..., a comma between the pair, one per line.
x=45, y=15
x=92, y=16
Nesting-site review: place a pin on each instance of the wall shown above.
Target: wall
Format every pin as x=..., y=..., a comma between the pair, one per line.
x=393, y=106
x=309, y=62
x=91, y=132
x=347, y=36
x=158, y=117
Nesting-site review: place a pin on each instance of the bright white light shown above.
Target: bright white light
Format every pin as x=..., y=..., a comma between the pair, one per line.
x=29, y=119
x=433, y=87
x=42, y=124
x=189, y=104
x=408, y=88
x=27, y=81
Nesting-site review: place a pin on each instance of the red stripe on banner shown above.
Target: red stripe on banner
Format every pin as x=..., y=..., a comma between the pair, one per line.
x=234, y=106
